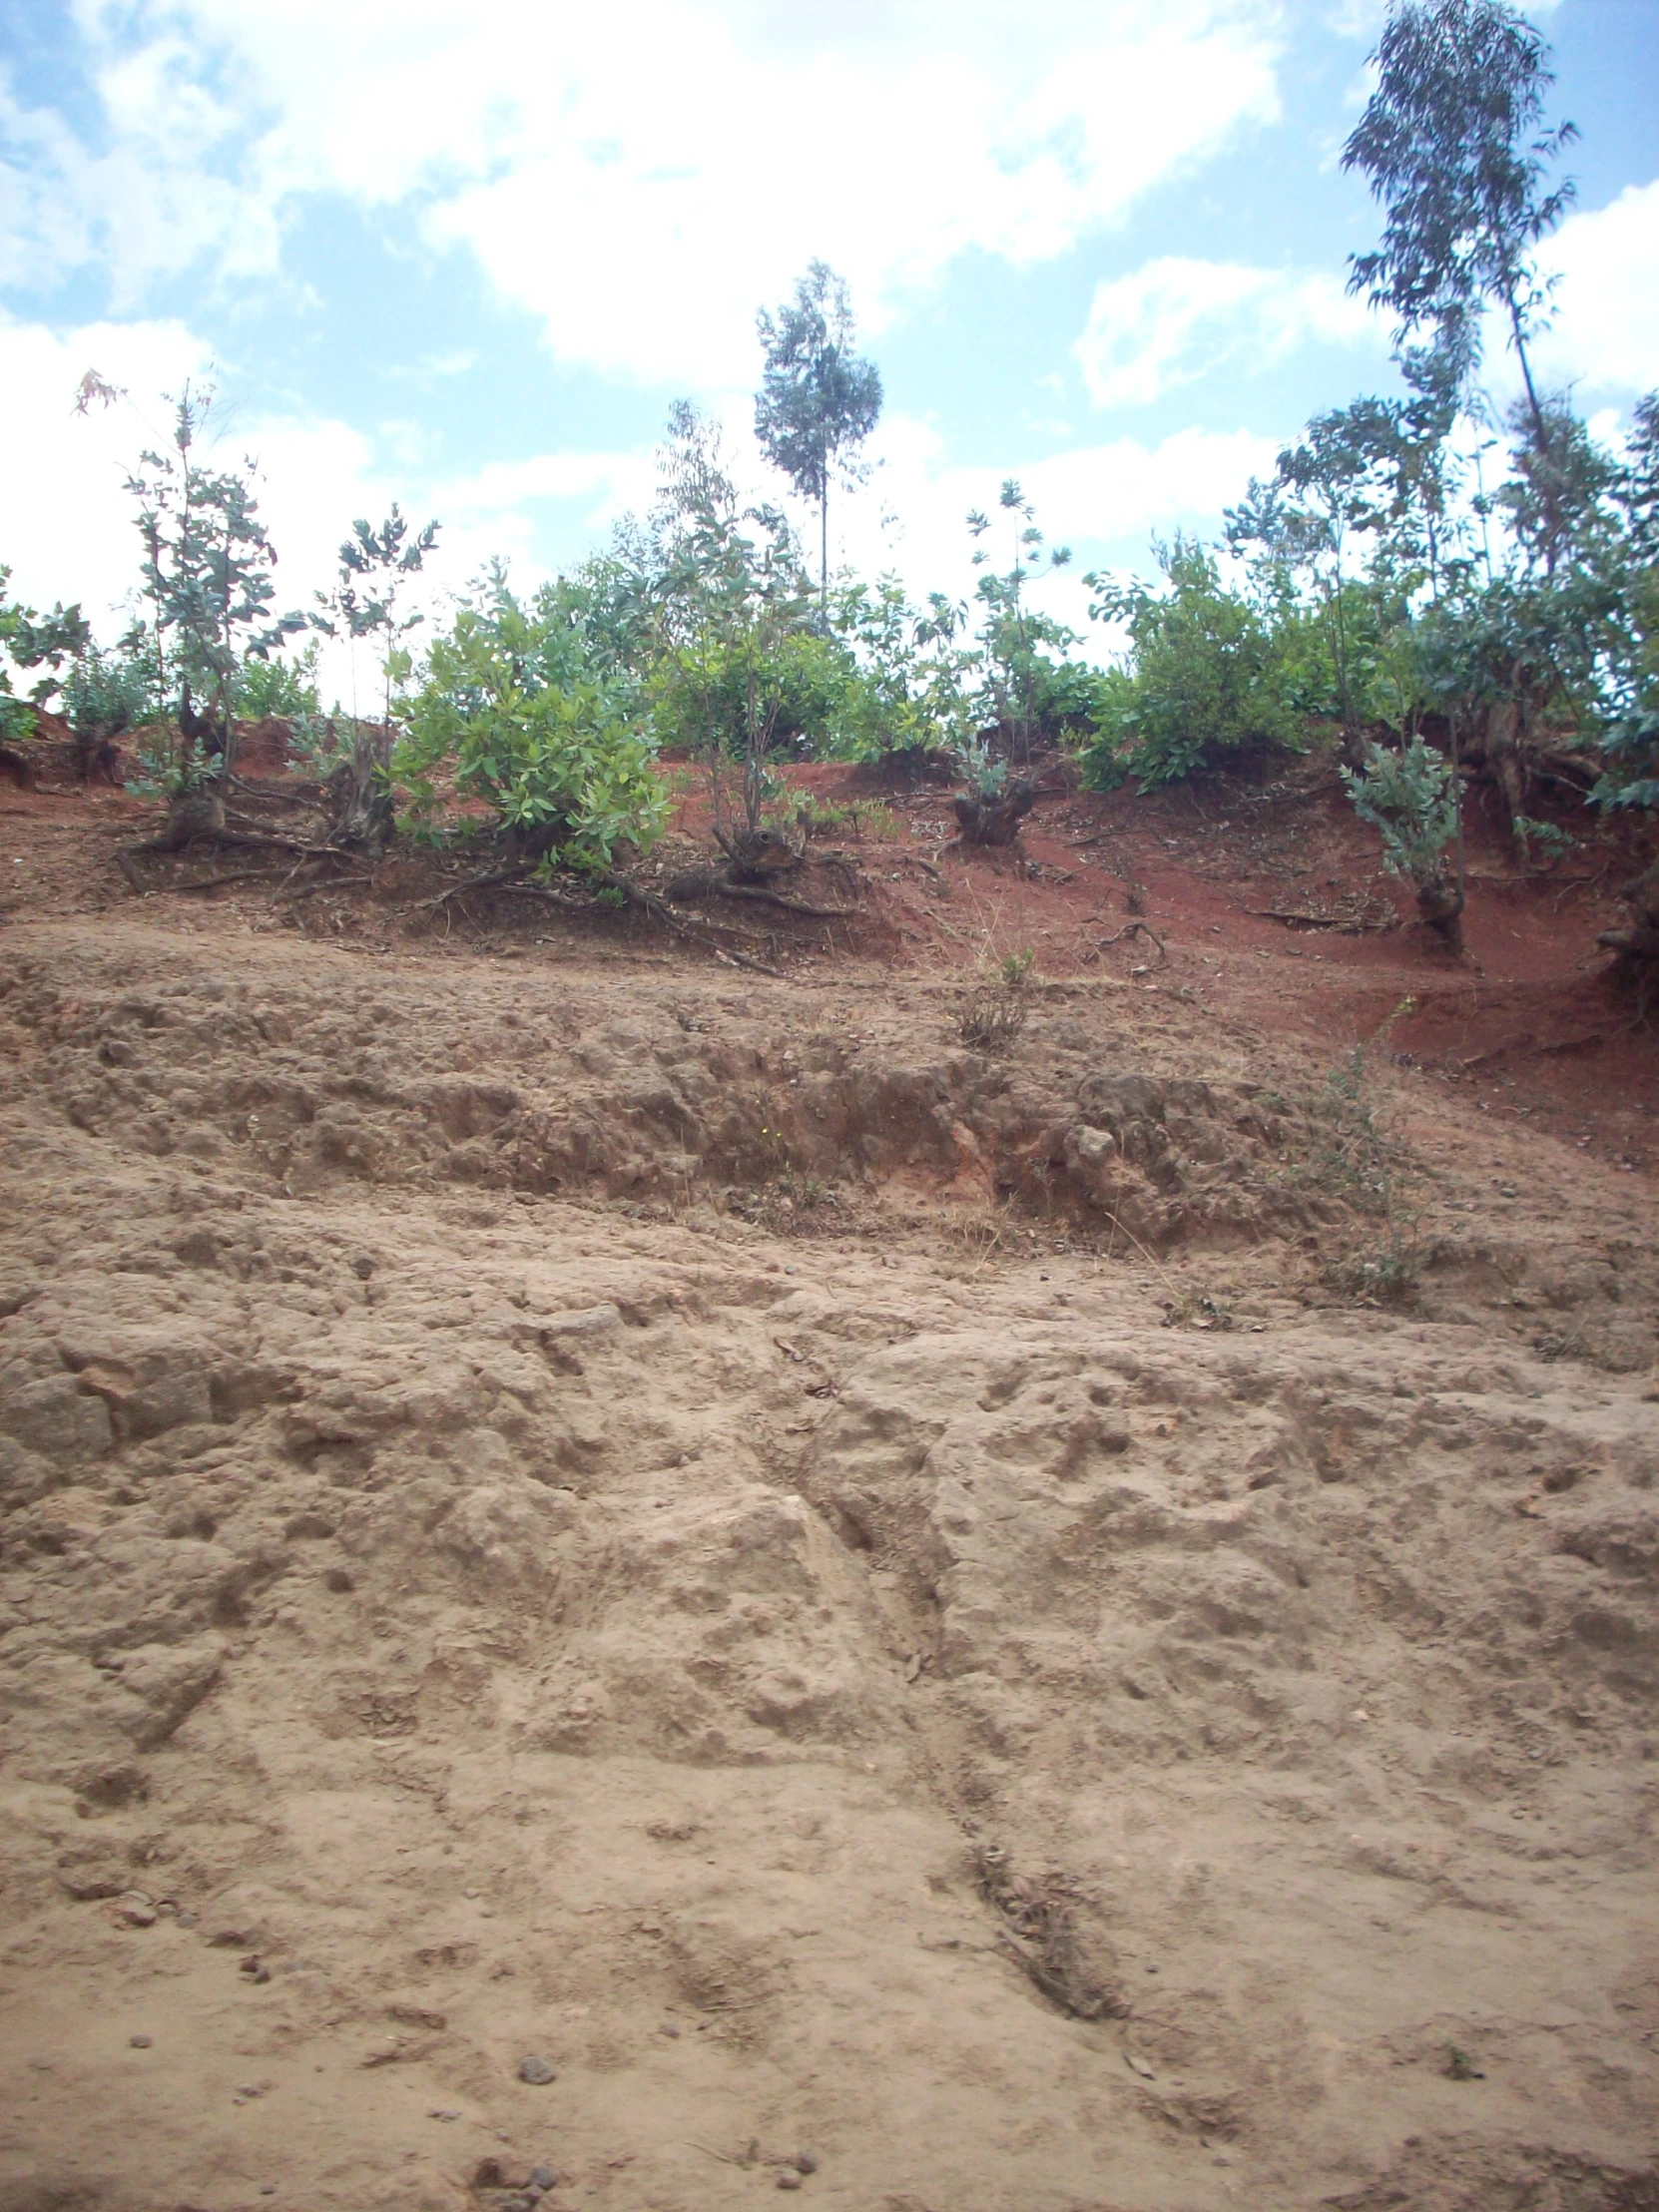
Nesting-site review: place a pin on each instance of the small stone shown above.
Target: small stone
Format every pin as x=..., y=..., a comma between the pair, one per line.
x=806, y=2161
x=187, y=1919
x=440, y=2112
x=536, y=2071
x=139, y=2042
x=543, y=2178
x=133, y=1910
x=788, y=2178
x=670, y=2029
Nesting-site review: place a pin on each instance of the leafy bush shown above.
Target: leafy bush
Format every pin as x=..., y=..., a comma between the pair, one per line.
x=277, y=687
x=707, y=691
x=558, y=755
x=1630, y=758
x=906, y=688
x=1409, y=798
x=30, y=641
x=1203, y=680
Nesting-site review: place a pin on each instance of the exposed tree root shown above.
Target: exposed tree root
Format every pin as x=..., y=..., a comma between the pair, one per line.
x=1134, y=929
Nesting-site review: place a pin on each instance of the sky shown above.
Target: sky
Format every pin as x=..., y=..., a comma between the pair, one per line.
x=466, y=257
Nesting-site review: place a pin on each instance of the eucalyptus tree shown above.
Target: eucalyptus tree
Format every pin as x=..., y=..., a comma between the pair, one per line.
x=1454, y=145
x=818, y=399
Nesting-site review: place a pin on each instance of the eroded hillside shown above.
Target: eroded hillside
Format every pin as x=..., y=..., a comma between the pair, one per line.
x=846, y=1595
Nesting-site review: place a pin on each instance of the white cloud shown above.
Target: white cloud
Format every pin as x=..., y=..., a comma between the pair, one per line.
x=1174, y=321
x=639, y=175
x=1105, y=500
x=1606, y=331
x=70, y=521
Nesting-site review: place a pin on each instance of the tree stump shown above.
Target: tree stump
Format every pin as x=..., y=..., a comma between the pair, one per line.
x=194, y=814
x=1441, y=904
x=994, y=822
x=755, y=855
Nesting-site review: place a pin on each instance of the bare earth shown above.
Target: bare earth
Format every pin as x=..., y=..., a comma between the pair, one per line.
x=848, y=1596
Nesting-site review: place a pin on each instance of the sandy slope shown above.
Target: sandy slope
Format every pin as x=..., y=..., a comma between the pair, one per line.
x=469, y=1594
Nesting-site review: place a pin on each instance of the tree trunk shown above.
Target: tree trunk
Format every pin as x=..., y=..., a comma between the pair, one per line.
x=1441, y=904
x=1503, y=758
x=195, y=814
x=994, y=822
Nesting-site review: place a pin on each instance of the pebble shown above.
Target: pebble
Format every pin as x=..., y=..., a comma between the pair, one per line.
x=788, y=2178
x=139, y=2042
x=438, y=2111
x=536, y=2071
x=806, y=2161
x=668, y=2029
x=543, y=2178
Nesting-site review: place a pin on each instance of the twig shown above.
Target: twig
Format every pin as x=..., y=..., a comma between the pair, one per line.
x=776, y=899
x=212, y=882
x=740, y=959
x=1135, y=928
x=455, y=891
x=327, y=883
x=1299, y=921
x=1150, y=1258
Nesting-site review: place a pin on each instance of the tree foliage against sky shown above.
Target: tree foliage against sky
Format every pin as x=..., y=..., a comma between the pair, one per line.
x=819, y=400
x=1393, y=593
x=1454, y=145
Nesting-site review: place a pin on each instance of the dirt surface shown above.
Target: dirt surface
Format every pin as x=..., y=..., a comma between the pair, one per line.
x=1070, y=1629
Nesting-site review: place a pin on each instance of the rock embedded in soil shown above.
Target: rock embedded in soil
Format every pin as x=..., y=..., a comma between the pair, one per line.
x=536, y=2071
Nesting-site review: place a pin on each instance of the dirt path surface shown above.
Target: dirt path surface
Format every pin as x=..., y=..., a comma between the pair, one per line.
x=844, y=1596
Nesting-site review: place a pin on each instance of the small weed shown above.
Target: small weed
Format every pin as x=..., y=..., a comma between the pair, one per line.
x=1353, y=1159
x=991, y=1013
x=1196, y=1310
x=798, y=810
x=1550, y=839
x=1459, y=2066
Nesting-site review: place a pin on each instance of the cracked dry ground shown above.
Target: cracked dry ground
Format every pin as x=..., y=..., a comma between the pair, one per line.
x=596, y=1513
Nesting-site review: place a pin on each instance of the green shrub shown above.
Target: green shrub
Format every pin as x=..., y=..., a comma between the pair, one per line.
x=559, y=757
x=1410, y=796
x=277, y=687
x=1204, y=678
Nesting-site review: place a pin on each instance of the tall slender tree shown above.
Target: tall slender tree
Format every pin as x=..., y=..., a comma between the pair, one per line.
x=819, y=400
x=1454, y=145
